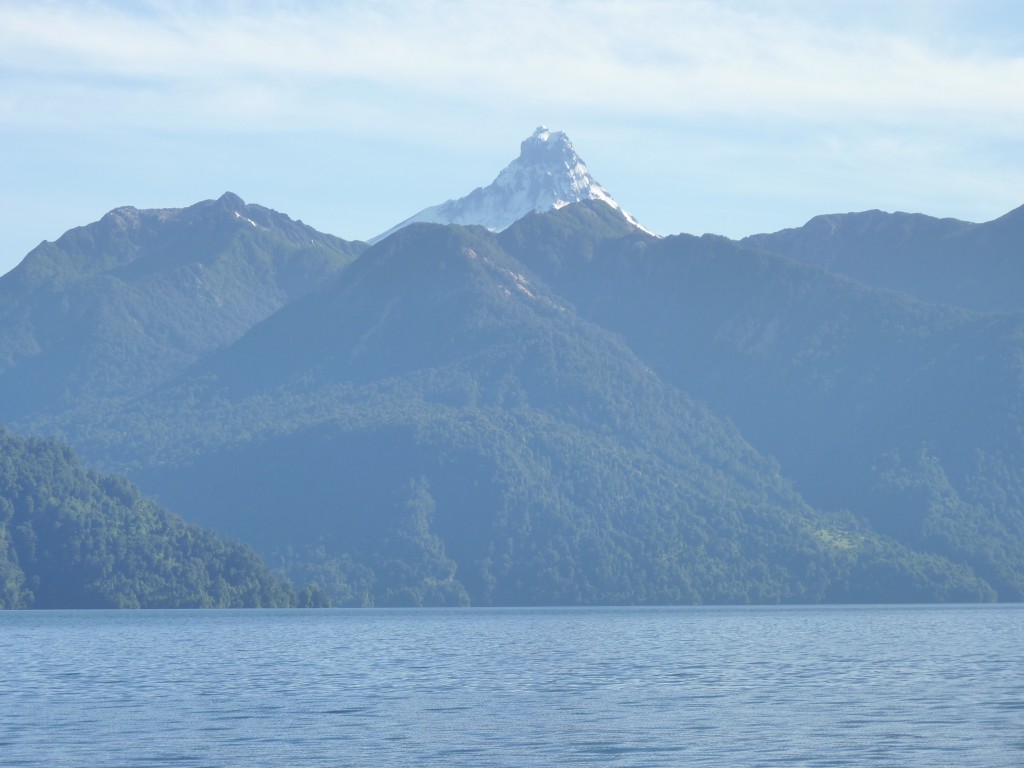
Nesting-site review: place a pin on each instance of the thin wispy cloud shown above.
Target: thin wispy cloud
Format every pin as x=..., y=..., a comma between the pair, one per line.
x=275, y=61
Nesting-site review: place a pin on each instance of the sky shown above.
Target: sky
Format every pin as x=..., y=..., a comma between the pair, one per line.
x=698, y=116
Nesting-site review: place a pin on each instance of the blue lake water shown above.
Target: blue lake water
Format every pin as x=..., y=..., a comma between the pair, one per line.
x=809, y=686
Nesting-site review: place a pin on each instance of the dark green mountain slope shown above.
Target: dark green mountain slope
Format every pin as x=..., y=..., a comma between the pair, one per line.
x=906, y=414
x=459, y=416
x=940, y=261
x=112, y=308
x=437, y=426
x=70, y=538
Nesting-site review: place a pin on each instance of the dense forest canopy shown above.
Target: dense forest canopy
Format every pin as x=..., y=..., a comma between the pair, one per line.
x=71, y=538
x=572, y=411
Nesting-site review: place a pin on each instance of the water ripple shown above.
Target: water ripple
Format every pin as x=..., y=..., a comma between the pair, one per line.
x=864, y=686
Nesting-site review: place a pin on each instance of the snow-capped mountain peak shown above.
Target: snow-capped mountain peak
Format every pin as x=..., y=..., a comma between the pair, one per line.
x=547, y=175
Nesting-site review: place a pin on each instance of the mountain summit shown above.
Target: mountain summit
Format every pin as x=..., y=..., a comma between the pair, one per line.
x=547, y=175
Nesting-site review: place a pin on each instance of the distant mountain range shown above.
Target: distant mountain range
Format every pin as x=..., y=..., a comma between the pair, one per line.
x=543, y=403
x=940, y=261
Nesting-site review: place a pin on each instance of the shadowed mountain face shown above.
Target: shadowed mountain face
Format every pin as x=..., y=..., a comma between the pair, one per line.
x=908, y=414
x=461, y=426
x=117, y=306
x=570, y=411
x=442, y=425
x=940, y=261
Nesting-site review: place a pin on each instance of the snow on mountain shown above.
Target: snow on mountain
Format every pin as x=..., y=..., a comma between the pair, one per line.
x=548, y=174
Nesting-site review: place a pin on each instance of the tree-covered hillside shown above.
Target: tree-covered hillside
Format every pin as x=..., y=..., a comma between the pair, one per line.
x=71, y=538
x=907, y=414
x=571, y=411
x=115, y=307
x=940, y=261
x=439, y=427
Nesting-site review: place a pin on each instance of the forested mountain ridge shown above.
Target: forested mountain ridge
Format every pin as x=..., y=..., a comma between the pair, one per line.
x=438, y=426
x=907, y=414
x=70, y=538
x=940, y=261
x=570, y=411
x=114, y=307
